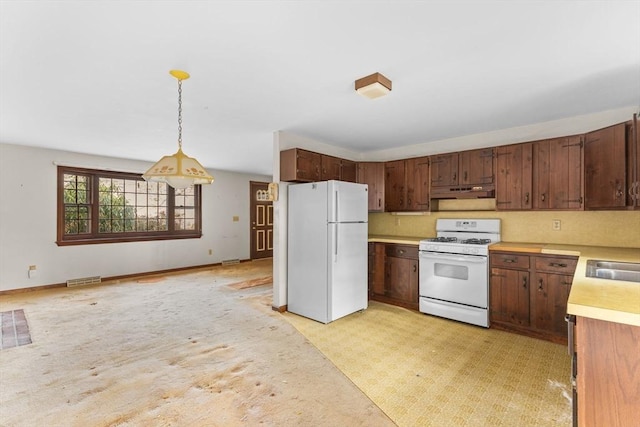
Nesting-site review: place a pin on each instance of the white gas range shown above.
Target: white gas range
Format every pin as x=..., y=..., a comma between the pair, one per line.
x=454, y=269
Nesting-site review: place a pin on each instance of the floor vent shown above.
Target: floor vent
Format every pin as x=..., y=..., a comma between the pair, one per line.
x=84, y=281
x=230, y=261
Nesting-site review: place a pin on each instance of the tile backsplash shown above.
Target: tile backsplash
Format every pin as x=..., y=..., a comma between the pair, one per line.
x=590, y=228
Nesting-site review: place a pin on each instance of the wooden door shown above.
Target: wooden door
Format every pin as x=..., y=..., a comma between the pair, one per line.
x=549, y=296
x=330, y=168
x=513, y=176
x=633, y=163
x=261, y=221
x=541, y=175
x=417, y=172
x=444, y=170
x=348, y=171
x=476, y=167
x=372, y=174
x=509, y=296
x=394, y=186
x=398, y=278
x=608, y=373
x=557, y=173
x=604, y=168
x=376, y=268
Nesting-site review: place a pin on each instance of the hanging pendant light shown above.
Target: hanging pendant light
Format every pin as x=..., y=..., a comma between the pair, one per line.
x=178, y=170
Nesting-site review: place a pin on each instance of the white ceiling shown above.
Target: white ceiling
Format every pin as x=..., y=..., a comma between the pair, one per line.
x=92, y=76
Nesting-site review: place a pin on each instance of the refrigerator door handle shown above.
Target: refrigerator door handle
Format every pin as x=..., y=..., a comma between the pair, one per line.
x=335, y=239
x=335, y=206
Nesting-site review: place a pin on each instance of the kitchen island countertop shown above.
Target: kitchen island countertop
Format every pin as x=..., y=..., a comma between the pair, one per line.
x=602, y=299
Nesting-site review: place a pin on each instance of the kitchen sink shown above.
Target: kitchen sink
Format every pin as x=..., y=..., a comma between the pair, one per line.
x=613, y=270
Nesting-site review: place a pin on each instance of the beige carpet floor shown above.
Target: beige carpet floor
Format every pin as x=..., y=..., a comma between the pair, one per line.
x=427, y=371
x=188, y=350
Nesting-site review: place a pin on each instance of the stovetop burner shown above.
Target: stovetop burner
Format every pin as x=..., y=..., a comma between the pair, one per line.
x=443, y=239
x=476, y=241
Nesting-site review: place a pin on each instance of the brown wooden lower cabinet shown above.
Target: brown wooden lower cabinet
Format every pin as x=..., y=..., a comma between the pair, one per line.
x=608, y=373
x=529, y=293
x=393, y=274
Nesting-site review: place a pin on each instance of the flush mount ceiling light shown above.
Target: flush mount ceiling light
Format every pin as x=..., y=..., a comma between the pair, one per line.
x=178, y=170
x=373, y=86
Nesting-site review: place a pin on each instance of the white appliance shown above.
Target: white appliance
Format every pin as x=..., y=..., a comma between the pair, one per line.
x=454, y=269
x=327, y=249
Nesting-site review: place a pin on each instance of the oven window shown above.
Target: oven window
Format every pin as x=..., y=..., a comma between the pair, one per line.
x=451, y=271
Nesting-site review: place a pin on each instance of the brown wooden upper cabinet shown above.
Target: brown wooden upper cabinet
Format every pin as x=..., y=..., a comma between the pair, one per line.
x=330, y=167
x=605, y=168
x=406, y=185
x=466, y=174
x=417, y=173
x=633, y=163
x=372, y=174
x=514, y=176
x=557, y=173
x=348, y=170
x=394, y=186
x=299, y=165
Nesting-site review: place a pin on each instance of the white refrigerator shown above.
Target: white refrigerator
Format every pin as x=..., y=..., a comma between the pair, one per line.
x=327, y=249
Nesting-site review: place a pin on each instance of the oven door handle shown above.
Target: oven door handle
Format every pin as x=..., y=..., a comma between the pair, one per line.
x=452, y=257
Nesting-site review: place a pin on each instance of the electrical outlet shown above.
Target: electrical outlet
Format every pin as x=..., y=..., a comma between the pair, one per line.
x=236, y=218
x=397, y=221
x=556, y=225
x=33, y=272
x=210, y=251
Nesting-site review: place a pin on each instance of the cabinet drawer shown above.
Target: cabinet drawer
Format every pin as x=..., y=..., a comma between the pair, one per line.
x=509, y=260
x=562, y=265
x=402, y=251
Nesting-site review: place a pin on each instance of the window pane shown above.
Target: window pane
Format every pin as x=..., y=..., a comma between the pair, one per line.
x=125, y=205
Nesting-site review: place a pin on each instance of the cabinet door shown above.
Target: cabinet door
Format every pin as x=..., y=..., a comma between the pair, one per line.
x=604, y=168
x=608, y=374
x=444, y=170
x=509, y=296
x=394, y=186
x=330, y=168
x=377, y=272
x=414, y=282
x=549, y=295
x=299, y=165
x=372, y=174
x=476, y=167
x=513, y=177
x=348, y=170
x=557, y=173
x=417, y=171
x=633, y=163
x=398, y=275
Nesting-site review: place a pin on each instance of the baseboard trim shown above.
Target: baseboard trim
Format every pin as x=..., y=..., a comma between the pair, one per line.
x=116, y=279
x=280, y=309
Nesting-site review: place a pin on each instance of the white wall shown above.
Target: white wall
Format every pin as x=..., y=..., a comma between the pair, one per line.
x=28, y=180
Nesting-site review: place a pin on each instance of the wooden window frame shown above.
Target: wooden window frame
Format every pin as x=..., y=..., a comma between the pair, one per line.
x=95, y=237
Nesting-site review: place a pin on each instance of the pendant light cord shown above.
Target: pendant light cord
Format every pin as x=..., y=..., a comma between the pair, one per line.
x=180, y=114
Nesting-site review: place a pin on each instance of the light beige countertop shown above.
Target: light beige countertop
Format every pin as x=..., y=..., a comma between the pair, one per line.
x=403, y=240
x=611, y=300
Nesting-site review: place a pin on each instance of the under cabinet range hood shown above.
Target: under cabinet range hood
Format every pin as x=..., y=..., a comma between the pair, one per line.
x=464, y=192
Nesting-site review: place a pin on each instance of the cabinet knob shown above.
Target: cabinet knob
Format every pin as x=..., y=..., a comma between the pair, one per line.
x=524, y=282
x=526, y=198
x=543, y=196
x=540, y=282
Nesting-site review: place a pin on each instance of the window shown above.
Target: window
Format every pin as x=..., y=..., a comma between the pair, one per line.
x=104, y=207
